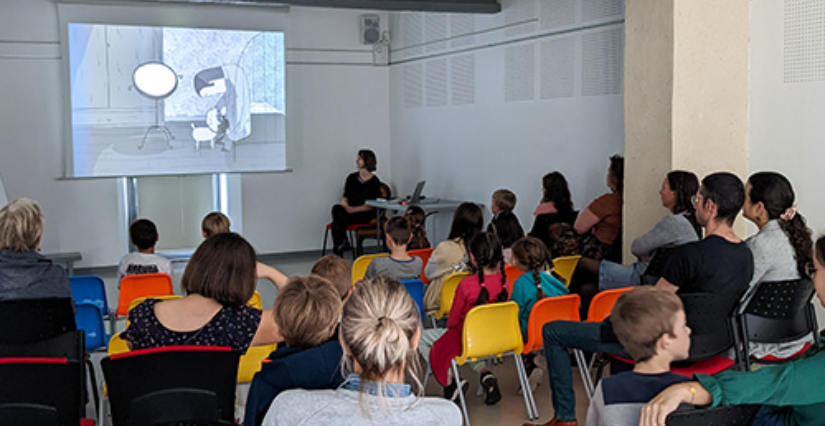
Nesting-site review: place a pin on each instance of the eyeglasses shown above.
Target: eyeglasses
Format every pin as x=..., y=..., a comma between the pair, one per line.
x=810, y=271
x=694, y=199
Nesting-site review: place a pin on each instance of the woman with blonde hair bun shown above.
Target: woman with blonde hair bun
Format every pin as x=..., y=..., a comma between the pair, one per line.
x=379, y=332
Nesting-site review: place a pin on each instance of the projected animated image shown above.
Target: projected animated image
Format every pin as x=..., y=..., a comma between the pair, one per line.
x=162, y=100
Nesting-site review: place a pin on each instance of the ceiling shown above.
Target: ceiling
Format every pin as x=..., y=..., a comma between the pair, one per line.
x=465, y=6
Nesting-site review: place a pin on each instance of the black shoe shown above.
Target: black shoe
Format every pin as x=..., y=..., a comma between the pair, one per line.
x=492, y=395
x=451, y=391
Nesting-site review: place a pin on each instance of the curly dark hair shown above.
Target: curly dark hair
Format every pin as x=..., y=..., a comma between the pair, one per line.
x=616, y=173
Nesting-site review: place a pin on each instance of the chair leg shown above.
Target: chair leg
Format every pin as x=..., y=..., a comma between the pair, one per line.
x=92, y=381
x=532, y=412
x=101, y=412
x=457, y=378
x=585, y=373
x=324, y=245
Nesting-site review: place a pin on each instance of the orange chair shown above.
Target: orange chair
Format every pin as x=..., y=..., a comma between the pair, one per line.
x=424, y=254
x=599, y=310
x=142, y=285
x=557, y=308
x=512, y=274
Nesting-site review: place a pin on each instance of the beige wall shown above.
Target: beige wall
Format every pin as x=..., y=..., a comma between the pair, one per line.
x=686, y=97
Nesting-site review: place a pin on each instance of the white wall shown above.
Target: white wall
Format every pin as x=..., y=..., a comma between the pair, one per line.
x=337, y=103
x=487, y=102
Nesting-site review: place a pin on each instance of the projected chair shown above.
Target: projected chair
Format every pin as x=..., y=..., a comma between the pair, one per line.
x=230, y=120
x=156, y=81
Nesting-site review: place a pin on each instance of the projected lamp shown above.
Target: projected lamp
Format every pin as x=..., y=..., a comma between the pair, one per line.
x=155, y=81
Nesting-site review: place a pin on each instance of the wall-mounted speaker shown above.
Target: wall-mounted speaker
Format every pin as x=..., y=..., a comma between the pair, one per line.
x=370, y=29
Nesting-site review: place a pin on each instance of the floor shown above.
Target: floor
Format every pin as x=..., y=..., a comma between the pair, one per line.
x=510, y=411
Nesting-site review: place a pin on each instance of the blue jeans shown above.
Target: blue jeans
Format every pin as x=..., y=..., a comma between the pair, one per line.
x=558, y=336
x=615, y=275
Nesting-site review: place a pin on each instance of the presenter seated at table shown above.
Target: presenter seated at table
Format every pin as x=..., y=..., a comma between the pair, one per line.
x=360, y=186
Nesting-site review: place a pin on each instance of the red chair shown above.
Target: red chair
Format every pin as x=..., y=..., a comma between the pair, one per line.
x=512, y=274
x=424, y=254
x=141, y=285
x=352, y=235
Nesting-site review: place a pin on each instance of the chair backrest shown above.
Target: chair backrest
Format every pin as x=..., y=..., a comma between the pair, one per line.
x=725, y=415
x=255, y=301
x=709, y=334
x=32, y=320
x=43, y=391
x=185, y=384
x=416, y=290
x=23, y=383
x=89, y=318
x=142, y=285
x=565, y=266
x=250, y=362
x=90, y=289
x=490, y=330
x=359, y=267
x=512, y=274
x=557, y=308
x=780, y=311
x=424, y=254
x=448, y=288
x=656, y=266
x=139, y=300
x=603, y=302
x=117, y=345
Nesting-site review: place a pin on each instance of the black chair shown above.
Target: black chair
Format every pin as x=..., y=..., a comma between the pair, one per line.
x=175, y=384
x=730, y=415
x=777, y=312
x=41, y=391
x=31, y=320
x=656, y=266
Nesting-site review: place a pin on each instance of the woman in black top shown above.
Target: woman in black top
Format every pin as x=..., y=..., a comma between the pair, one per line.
x=555, y=207
x=359, y=187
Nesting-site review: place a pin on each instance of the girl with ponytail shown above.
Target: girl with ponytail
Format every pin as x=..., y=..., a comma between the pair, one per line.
x=487, y=284
x=379, y=332
x=783, y=247
x=531, y=256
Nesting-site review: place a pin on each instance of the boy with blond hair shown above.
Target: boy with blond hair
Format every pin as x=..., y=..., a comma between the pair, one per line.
x=398, y=265
x=651, y=326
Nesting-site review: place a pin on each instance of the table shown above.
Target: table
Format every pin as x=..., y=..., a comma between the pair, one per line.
x=430, y=207
x=68, y=259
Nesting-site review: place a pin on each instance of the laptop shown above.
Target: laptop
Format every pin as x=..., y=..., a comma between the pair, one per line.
x=419, y=199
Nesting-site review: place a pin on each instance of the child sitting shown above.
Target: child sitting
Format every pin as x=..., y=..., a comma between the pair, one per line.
x=144, y=236
x=531, y=256
x=416, y=216
x=217, y=223
x=651, y=326
x=486, y=285
x=505, y=224
x=398, y=265
x=306, y=311
x=337, y=271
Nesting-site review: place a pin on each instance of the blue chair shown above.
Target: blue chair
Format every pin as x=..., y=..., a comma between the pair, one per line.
x=416, y=290
x=92, y=289
x=89, y=318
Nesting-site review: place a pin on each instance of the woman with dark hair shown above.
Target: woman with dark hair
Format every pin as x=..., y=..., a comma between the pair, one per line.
x=675, y=229
x=360, y=186
x=218, y=281
x=555, y=207
x=598, y=228
x=782, y=248
x=790, y=393
x=450, y=255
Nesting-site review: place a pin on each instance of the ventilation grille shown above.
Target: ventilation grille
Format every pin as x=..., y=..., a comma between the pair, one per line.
x=519, y=16
x=804, y=39
x=463, y=79
x=600, y=9
x=519, y=73
x=412, y=85
x=435, y=72
x=558, y=70
x=460, y=27
x=558, y=13
x=602, y=63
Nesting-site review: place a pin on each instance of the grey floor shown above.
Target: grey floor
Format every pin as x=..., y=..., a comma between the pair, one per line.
x=510, y=411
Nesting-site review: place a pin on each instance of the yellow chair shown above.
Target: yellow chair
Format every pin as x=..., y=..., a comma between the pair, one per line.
x=448, y=293
x=359, y=267
x=117, y=345
x=251, y=361
x=255, y=301
x=492, y=331
x=565, y=266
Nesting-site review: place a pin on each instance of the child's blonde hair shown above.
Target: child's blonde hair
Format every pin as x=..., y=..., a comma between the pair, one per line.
x=336, y=270
x=505, y=200
x=215, y=223
x=21, y=225
x=379, y=323
x=307, y=311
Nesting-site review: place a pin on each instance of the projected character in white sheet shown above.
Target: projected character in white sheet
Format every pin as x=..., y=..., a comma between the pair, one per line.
x=230, y=119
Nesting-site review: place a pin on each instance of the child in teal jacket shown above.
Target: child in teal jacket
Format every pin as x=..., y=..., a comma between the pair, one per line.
x=531, y=256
